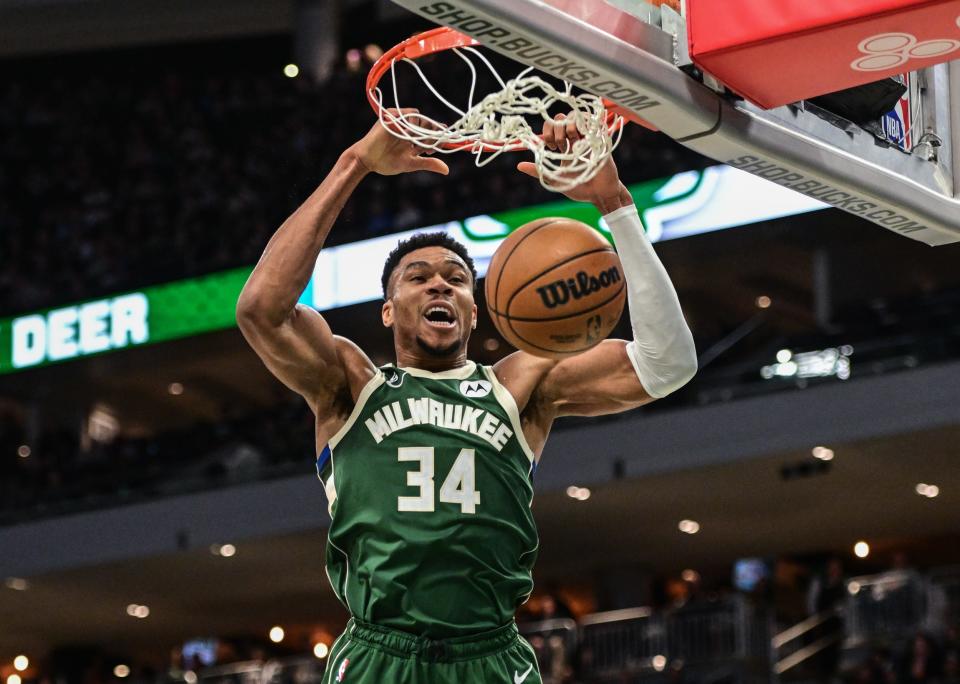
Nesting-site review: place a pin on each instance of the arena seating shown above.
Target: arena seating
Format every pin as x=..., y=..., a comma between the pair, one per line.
x=184, y=171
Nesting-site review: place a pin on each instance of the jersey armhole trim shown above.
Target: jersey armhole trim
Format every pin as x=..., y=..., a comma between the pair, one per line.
x=509, y=405
x=365, y=393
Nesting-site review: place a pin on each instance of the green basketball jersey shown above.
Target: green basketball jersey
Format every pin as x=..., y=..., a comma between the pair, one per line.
x=429, y=489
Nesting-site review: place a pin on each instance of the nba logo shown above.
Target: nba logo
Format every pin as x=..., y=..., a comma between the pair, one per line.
x=343, y=669
x=897, y=123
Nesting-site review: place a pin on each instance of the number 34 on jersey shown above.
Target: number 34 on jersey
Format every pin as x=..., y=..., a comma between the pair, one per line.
x=459, y=486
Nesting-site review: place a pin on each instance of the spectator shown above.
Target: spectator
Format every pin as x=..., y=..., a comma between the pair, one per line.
x=922, y=662
x=825, y=598
x=951, y=667
x=552, y=607
x=878, y=669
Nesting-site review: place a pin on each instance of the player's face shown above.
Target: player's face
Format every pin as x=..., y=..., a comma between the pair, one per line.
x=431, y=303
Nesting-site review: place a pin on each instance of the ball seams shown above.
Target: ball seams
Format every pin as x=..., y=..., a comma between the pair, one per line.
x=522, y=286
x=546, y=221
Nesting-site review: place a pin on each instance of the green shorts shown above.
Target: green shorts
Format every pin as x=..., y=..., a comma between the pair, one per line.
x=368, y=654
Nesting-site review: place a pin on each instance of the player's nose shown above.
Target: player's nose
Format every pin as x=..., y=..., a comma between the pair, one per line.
x=437, y=284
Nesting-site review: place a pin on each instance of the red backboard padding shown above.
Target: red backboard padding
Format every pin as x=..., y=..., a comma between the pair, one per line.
x=778, y=51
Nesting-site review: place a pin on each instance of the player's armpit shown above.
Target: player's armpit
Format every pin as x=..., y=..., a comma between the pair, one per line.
x=303, y=353
x=597, y=382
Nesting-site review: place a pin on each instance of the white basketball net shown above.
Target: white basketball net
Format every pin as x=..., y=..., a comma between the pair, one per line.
x=496, y=124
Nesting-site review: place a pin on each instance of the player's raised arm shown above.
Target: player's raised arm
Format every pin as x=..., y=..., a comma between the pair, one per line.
x=293, y=340
x=617, y=375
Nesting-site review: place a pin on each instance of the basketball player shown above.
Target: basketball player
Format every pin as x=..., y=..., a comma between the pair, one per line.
x=427, y=464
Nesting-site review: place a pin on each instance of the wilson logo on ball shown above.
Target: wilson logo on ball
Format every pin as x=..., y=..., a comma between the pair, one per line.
x=559, y=292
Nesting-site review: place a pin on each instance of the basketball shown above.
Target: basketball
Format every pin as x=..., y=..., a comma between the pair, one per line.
x=555, y=288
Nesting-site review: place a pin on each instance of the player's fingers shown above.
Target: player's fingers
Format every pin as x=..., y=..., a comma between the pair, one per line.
x=423, y=122
x=426, y=125
x=566, y=131
x=392, y=119
x=549, y=135
x=528, y=168
x=560, y=131
x=396, y=119
x=423, y=147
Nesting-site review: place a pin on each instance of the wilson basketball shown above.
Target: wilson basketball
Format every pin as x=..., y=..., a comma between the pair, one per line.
x=555, y=288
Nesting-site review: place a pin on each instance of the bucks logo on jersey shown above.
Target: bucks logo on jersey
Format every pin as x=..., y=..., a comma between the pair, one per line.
x=430, y=491
x=393, y=377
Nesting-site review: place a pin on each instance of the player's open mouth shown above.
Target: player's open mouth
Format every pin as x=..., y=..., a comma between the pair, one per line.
x=440, y=316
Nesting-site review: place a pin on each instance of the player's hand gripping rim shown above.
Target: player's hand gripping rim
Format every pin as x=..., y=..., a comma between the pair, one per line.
x=382, y=152
x=603, y=190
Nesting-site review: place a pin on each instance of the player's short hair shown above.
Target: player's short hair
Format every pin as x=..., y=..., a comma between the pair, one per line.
x=419, y=241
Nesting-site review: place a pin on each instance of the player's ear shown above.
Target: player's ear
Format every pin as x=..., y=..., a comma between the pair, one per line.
x=386, y=313
x=473, y=316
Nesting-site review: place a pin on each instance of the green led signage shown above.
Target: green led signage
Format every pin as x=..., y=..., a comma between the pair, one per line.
x=688, y=203
x=154, y=314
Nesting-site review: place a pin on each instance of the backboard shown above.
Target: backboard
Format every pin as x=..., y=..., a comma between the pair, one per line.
x=635, y=54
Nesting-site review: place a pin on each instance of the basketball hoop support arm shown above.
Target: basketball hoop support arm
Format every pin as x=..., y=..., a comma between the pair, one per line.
x=608, y=52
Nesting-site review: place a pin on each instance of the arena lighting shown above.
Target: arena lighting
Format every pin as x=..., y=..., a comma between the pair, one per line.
x=121, y=671
x=763, y=302
x=928, y=490
x=225, y=550
x=14, y=679
x=578, y=493
x=353, y=58
x=277, y=634
x=820, y=363
x=853, y=588
x=320, y=650
x=175, y=388
x=688, y=526
x=190, y=677
x=138, y=611
x=690, y=576
x=102, y=424
x=822, y=453
x=659, y=662
x=23, y=451
x=291, y=71
x=861, y=549
x=17, y=584
x=21, y=663
x=491, y=344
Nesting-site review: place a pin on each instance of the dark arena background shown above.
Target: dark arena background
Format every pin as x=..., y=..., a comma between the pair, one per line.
x=792, y=514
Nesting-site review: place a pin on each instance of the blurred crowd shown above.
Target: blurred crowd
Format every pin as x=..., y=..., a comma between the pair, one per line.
x=691, y=629
x=64, y=470
x=924, y=658
x=116, y=178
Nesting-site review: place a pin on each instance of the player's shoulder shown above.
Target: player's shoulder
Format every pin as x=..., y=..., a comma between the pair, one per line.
x=522, y=364
x=522, y=374
x=357, y=367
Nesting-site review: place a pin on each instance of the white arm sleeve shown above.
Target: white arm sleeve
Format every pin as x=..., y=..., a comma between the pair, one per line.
x=662, y=350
